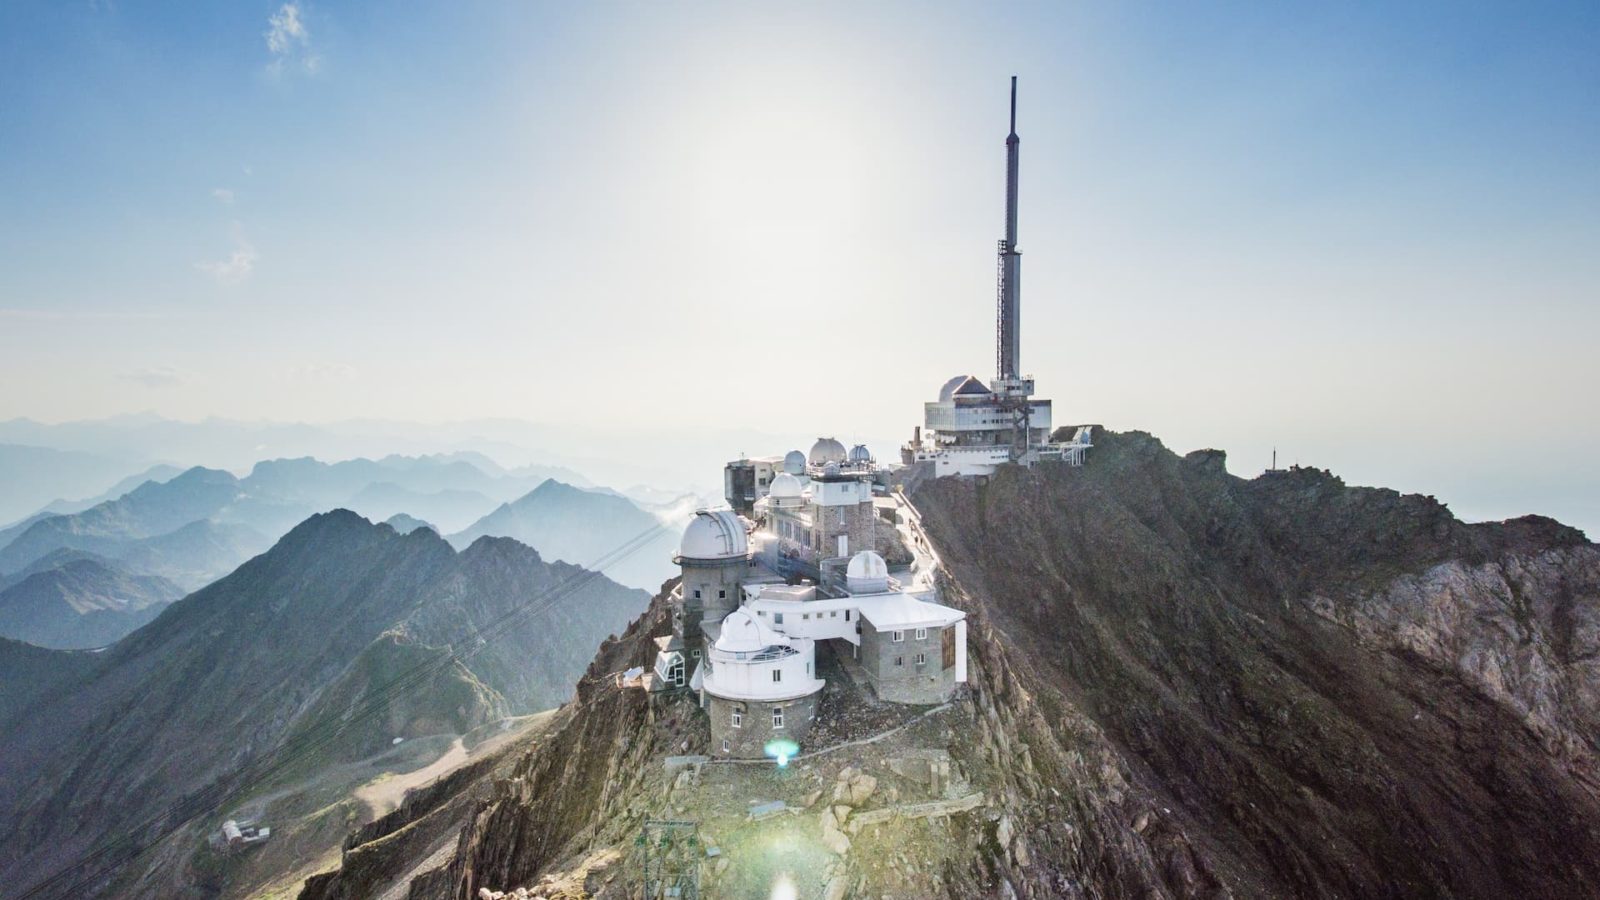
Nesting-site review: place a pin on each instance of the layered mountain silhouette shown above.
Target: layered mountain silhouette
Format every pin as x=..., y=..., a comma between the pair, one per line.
x=38, y=477
x=202, y=523
x=582, y=526
x=78, y=601
x=342, y=637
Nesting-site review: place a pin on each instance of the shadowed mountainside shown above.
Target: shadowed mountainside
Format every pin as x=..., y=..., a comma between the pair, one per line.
x=280, y=653
x=81, y=603
x=1182, y=684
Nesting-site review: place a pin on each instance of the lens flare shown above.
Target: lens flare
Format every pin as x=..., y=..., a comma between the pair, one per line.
x=781, y=750
x=783, y=888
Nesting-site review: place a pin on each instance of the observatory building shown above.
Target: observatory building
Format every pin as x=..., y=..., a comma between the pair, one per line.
x=817, y=558
x=973, y=428
x=797, y=562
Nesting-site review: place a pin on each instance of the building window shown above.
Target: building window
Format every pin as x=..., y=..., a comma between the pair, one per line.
x=777, y=674
x=806, y=616
x=899, y=660
x=738, y=718
x=922, y=658
x=777, y=618
x=897, y=636
x=922, y=634
x=726, y=745
x=697, y=593
x=777, y=717
x=722, y=595
x=847, y=615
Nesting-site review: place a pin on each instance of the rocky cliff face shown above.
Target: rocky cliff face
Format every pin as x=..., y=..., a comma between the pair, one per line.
x=1183, y=684
x=1335, y=691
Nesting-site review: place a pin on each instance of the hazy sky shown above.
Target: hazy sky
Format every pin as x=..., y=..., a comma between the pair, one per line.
x=1368, y=235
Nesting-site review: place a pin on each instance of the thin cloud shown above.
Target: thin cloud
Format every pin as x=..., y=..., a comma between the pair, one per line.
x=157, y=376
x=237, y=266
x=288, y=40
x=222, y=195
x=322, y=371
x=87, y=315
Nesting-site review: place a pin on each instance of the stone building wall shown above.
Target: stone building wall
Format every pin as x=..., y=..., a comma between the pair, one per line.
x=718, y=587
x=929, y=682
x=859, y=525
x=749, y=741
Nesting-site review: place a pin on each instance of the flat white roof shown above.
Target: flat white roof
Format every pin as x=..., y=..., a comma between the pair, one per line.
x=894, y=609
x=902, y=610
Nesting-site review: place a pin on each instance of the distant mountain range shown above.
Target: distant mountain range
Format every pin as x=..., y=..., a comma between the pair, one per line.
x=80, y=602
x=342, y=637
x=199, y=524
x=582, y=527
x=33, y=478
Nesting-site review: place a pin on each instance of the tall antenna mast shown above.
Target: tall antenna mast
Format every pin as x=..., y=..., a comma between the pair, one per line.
x=1009, y=327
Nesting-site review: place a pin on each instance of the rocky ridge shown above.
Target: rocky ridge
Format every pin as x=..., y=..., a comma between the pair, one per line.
x=1182, y=684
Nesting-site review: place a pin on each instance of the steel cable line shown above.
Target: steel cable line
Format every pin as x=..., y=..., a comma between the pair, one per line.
x=187, y=809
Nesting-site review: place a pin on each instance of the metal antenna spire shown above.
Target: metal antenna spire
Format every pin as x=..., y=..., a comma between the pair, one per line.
x=1009, y=331
x=1013, y=104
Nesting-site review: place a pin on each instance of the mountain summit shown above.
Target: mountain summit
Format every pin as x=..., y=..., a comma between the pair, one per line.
x=1181, y=684
x=581, y=527
x=342, y=638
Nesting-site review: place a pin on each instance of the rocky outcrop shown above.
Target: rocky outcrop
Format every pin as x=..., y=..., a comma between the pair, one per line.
x=1285, y=685
x=1181, y=684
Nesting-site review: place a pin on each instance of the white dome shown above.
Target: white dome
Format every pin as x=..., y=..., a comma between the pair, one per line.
x=962, y=384
x=826, y=450
x=860, y=454
x=867, y=573
x=794, y=462
x=743, y=633
x=785, y=487
x=714, y=534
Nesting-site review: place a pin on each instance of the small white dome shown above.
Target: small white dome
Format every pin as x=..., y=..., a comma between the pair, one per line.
x=714, y=534
x=867, y=573
x=785, y=487
x=743, y=633
x=860, y=454
x=826, y=450
x=794, y=462
x=963, y=385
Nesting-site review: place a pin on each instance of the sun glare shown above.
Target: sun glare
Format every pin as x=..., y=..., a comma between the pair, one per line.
x=783, y=888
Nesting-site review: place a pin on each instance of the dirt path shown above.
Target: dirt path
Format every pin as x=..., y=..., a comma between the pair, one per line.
x=384, y=794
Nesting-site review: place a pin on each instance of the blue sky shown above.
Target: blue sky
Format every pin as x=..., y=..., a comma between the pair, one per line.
x=1368, y=234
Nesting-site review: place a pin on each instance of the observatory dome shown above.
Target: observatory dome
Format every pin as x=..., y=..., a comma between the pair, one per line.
x=784, y=487
x=867, y=573
x=794, y=462
x=965, y=385
x=826, y=450
x=860, y=454
x=714, y=534
x=743, y=633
